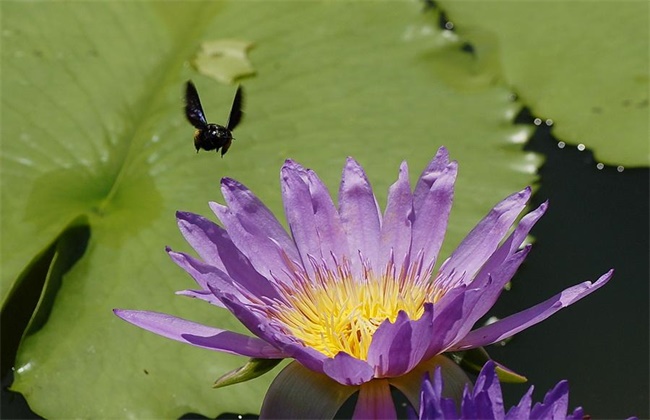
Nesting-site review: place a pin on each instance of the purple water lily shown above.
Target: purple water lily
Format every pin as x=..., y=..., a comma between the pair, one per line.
x=351, y=293
x=485, y=401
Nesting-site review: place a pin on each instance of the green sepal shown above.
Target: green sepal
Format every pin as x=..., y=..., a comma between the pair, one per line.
x=251, y=370
x=509, y=376
x=472, y=360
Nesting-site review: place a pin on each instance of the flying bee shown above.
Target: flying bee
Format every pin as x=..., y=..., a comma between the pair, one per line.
x=211, y=136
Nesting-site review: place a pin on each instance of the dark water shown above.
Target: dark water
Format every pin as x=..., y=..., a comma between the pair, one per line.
x=597, y=220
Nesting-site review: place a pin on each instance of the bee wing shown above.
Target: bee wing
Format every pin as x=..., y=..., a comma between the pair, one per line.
x=193, y=109
x=236, y=110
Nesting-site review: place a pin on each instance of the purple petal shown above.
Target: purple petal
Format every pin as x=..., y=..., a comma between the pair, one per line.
x=262, y=327
x=204, y=295
x=482, y=301
x=523, y=228
x=200, y=335
x=510, y=246
x=253, y=214
x=454, y=381
x=449, y=317
x=307, y=356
x=432, y=207
x=511, y=325
x=487, y=384
x=203, y=235
x=398, y=347
x=328, y=222
x=522, y=410
x=214, y=246
x=300, y=213
x=312, y=217
x=360, y=216
x=262, y=251
x=555, y=405
x=579, y=414
x=397, y=221
x=431, y=398
x=300, y=393
x=501, y=266
x=499, y=269
x=482, y=241
x=429, y=176
x=391, y=346
x=204, y=274
x=375, y=401
x=469, y=407
x=347, y=370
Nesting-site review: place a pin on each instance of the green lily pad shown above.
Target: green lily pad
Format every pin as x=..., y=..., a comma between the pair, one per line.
x=583, y=64
x=93, y=129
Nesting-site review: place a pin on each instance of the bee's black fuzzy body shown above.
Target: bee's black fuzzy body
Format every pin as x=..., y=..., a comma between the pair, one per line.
x=211, y=136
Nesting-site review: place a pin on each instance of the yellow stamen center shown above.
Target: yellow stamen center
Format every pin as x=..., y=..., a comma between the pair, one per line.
x=334, y=311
